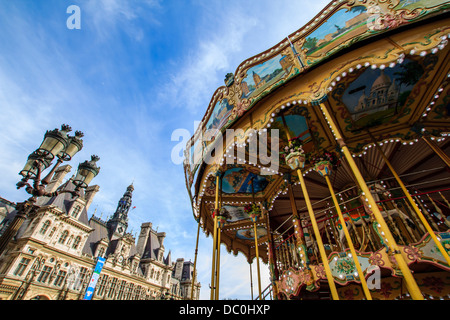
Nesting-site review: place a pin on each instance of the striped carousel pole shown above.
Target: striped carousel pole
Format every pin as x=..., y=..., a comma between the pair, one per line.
x=411, y=284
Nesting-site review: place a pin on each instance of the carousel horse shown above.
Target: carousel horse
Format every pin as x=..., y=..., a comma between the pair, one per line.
x=356, y=217
x=310, y=244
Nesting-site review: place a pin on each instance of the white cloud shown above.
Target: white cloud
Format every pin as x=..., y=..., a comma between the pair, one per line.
x=203, y=68
x=106, y=16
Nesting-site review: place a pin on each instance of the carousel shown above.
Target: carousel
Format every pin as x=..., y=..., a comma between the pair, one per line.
x=327, y=157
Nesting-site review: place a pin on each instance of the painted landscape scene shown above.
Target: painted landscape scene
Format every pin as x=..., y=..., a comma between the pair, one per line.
x=264, y=75
x=341, y=26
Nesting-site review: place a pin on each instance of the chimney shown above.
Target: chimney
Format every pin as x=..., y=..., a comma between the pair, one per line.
x=179, y=268
x=89, y=194
x=143, y=238
x=58, y=177
x=161, y=236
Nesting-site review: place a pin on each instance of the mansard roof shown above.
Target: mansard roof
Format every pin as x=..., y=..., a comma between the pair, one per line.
x=100, y=232
x=63, y=201
x=153, y=246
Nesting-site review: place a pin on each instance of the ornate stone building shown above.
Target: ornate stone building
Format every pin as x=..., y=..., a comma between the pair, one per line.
x=54, y=253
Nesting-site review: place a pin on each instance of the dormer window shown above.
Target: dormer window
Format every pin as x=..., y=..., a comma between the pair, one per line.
x=76, y=211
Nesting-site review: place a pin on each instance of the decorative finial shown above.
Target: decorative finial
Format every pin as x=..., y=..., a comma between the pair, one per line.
x=66, y=128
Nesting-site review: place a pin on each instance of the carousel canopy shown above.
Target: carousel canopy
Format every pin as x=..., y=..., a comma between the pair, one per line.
x=380, y=67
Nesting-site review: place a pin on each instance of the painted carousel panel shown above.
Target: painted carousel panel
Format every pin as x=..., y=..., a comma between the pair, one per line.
x=249, y=233
x=340, y=27
x=265, y=74
x=240, y=180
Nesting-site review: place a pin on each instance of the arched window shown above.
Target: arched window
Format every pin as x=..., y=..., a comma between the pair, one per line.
x=76, y=211
x=76, y=243
x=63, y=237
x=44, y=227
x=52, y=232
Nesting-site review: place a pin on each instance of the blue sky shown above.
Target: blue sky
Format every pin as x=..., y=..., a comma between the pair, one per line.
x=136, y=71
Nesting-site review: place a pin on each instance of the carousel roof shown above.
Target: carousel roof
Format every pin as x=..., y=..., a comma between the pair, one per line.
x=383, y=73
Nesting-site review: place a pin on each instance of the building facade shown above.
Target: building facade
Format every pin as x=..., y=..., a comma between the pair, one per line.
x=54, y=253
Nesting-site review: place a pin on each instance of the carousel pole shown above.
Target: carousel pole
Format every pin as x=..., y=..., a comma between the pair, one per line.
x=251, y=280
x=219, y=231
x=256, y=245
x=441, y=154
x=220, y=224
x=195, y=260
x=257, y=259
x=300, y=237
x=272, y=259
x=323, y=255
x=349, y=240
x=216, y=211
x=389, y=239
x=414, y=205
x=318, y=238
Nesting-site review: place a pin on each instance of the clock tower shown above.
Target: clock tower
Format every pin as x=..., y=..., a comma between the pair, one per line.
x=118, y=224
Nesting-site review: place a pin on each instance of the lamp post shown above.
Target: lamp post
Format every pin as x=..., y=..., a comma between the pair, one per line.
x=56, y=144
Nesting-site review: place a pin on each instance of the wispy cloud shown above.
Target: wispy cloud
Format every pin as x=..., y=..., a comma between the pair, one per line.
x=202, y=69
x=106, y=16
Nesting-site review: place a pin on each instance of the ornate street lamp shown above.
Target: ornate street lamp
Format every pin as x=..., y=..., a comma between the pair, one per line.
x=57, y=144
x=86, y=172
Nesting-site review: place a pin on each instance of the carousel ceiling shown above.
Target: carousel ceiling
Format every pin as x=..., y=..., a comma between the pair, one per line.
x=383, y=73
